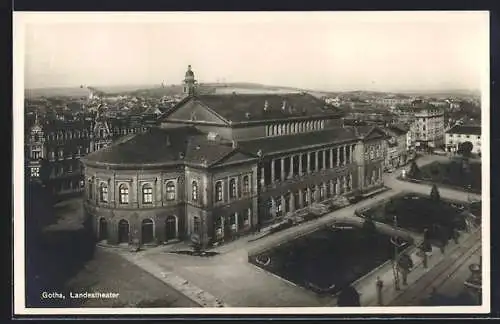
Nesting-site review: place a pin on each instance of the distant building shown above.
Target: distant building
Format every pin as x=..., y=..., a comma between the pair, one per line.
x=219, y=166
x=54, y=147
x=392, y=101
x=428, y=124
x=463, y=133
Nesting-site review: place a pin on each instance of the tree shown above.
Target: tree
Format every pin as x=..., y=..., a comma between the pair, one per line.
x=368, y=228
x=465, y=149
x=435, y=196
x=348, y=296
x=414, y=170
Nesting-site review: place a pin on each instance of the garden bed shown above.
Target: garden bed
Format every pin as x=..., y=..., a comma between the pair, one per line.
x=416, y=213
x=320, y=261
x=451, y=174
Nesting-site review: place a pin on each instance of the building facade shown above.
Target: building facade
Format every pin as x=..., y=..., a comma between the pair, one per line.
x=219, y=166
x=428, y=124
x=463, y=133
x=54, y=147
x=397, y=149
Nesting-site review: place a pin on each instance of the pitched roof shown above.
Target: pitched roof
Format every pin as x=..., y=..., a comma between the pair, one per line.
x=397, y=129
x=270, y=145
x=465, y=129
x=158, y=146
x=250, y=107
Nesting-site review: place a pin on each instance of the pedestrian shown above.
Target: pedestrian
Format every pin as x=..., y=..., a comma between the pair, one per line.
x=442, y=247
x=425, y=260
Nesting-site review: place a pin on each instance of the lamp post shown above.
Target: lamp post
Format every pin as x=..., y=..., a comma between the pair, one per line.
x=395, y=262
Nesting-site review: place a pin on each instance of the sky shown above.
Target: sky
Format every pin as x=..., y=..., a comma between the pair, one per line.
x=384, y=51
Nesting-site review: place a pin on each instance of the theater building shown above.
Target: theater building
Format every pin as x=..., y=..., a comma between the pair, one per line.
x=218, y=166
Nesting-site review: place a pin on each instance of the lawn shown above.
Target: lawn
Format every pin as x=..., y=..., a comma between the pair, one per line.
x=417, y=212
x=453, y=174
x=328, y=259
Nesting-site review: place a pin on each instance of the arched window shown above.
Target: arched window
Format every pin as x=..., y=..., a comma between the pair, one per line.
x=170, y=189
x=147, y=194
x=123, y=189
x=246, y=185
x=232, y=188
x=218, y=191
x=194, y=191
x=103, y=192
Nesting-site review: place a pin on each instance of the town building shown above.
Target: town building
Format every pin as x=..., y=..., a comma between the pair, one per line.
x=221, y=165
x=428, y=124
x=54, y=147
x=397, y=150
x=464, y=133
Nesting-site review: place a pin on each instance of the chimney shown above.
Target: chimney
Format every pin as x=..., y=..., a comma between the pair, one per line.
x=266, y=105
x=247, y=115
x=283, y=106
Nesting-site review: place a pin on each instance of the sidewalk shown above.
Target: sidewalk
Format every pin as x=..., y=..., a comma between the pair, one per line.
x=183, y=286
x=437, y=262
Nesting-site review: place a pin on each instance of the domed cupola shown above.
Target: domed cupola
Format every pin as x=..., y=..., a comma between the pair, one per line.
x=189, y=82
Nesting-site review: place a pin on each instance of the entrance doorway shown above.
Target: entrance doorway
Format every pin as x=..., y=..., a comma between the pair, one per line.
x=171, y=228
x=123, y=231
x=147, y=231
x=103, y=229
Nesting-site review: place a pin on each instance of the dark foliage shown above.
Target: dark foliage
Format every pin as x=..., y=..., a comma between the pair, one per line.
x=435, y=196
x=418, y=213
x=348, y=297
x=465, y=149
x=414, y=170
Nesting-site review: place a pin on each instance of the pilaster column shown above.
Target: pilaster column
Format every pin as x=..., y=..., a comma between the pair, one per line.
x=324, y=159
x=291, y=166
x=283, y=206
x=262, y=177
x=345, y=154
x=301, y=198
x=308, y=162
x=331, y=158
x=292, y=203
x=300, y=164
x=272, y=171
x=273, y=207
x=316, y=161
x=282, y=169
x=308, y=200
x=338, y=156
x=332, y=188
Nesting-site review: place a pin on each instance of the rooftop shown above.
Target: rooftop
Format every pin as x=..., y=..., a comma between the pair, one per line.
x=465, y=129
x=158, y=146
x=254, y=107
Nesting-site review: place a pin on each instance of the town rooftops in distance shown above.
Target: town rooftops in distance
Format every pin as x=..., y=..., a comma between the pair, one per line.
x=465, y=129
x=244, y=108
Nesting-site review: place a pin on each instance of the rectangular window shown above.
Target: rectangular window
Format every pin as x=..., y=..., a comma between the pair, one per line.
x=196, y=225
x=147, y=195
x=35, y=172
